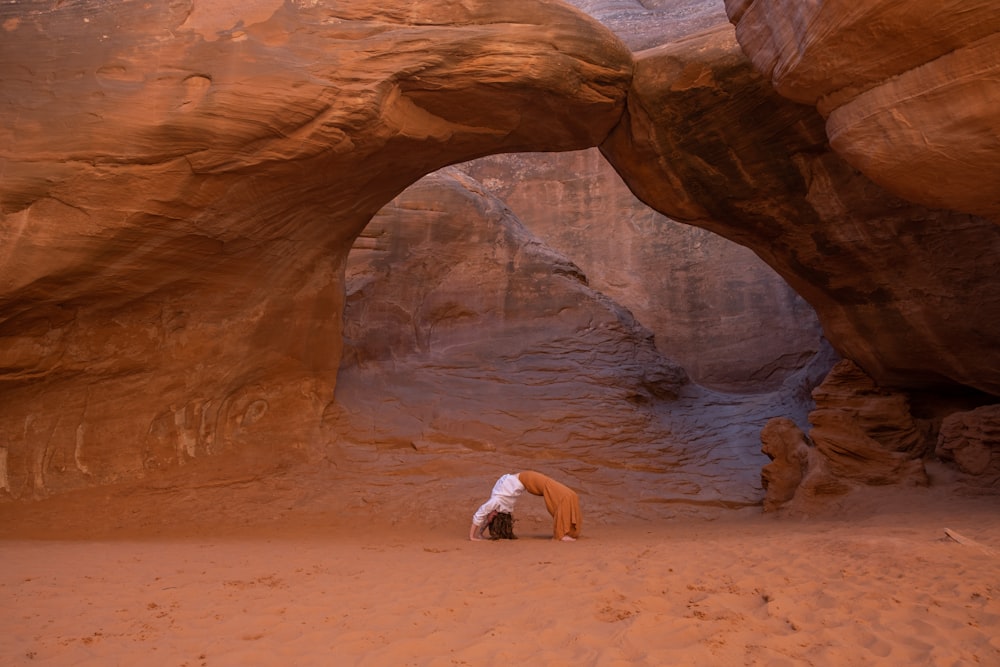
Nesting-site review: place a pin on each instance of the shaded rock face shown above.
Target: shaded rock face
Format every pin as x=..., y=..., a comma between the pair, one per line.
x=471, y=344
x=907, y=292
x=866, y=433
x=467, y=318
x=713, y=306
x=910, y=91
x=172, y=267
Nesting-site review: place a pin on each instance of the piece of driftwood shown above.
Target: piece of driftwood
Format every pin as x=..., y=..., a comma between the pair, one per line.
x=962, y=539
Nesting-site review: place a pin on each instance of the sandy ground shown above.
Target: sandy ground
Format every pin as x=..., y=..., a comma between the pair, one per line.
x=166, y=575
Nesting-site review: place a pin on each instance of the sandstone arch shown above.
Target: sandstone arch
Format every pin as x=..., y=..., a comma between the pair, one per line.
x=180, y=186
x=180, y=191
x=901, y=289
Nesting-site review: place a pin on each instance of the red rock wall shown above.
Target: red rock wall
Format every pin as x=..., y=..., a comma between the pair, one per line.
x=482, y=337
x=713, y=306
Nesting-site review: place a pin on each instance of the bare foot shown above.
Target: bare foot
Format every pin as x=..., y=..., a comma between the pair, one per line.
x=567, y=538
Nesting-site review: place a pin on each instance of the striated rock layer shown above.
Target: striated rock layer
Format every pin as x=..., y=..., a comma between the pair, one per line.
x=471, y=343
x=866, y=433
x=643, y=24
x=861, y=434
x=713, y=305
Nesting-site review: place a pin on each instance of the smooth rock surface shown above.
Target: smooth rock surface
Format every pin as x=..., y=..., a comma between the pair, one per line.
x=911, y=90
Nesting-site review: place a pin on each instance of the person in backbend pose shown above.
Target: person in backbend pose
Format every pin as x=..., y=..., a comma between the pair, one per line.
x=560, y=500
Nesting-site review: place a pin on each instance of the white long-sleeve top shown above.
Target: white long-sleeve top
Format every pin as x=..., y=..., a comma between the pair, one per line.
x=502, y=498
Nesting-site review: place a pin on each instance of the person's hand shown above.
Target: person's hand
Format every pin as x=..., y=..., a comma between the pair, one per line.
x=476, y=533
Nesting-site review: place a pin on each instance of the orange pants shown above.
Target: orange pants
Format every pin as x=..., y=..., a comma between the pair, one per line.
x=560, y=500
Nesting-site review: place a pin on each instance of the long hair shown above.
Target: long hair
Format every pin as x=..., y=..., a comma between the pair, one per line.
x=502, y=527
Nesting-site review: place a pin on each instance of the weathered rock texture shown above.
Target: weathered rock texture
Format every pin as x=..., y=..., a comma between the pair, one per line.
x=449, y=295
x=972, y=440
x=865, y=432
x=467, y=337
x=798, y=476
x=907, y=292
x=911, y=91
x=713, y=306
x=861, y=434
x=182, y=184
